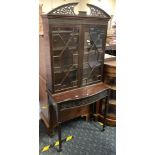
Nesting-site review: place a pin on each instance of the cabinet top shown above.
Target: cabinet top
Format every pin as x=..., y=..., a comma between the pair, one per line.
x=68, y=10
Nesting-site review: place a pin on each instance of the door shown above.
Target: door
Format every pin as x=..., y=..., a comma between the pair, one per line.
x=93, y=58
x=65, y=56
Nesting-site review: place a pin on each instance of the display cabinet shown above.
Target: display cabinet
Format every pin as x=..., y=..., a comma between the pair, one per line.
x=73, y=47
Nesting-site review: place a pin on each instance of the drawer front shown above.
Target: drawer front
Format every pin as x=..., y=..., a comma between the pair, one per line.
x=84, y=101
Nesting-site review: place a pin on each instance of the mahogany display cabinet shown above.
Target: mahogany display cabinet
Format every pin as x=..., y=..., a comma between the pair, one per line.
x=71, y=62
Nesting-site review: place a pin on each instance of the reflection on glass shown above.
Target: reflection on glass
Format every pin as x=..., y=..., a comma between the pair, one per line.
x=93, y=54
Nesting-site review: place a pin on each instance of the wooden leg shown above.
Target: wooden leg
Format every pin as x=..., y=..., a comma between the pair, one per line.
x=59, y=128
x=92, y=112
x=50, y=129
x=99, y=106
x=105, y=112
x=59, y=137
x=49, y=132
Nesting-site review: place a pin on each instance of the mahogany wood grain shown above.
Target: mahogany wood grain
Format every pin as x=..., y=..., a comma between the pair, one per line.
x=80, y=92
x=47, y=82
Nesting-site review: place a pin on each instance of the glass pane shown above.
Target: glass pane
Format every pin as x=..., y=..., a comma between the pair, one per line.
x=65, y=42
x=93, y=54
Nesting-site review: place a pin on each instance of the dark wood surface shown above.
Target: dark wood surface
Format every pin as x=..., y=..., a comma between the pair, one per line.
x=52, y=20
x=53, y=23
x=80, y=92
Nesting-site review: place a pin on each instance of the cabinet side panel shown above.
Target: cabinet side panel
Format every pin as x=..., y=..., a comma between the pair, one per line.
x=42, y=82
x=44, y=73
x=43, y=96
x=47, y=53
x=42, y=62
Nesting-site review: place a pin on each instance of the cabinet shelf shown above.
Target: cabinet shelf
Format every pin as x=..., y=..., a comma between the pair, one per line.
x=63, y=31
x=59, y=70
x=92, y=52
x=62, y=47
x=94, y=48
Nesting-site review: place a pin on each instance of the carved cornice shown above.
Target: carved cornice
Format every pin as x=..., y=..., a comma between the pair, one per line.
x=67, y=9
x=97, y=12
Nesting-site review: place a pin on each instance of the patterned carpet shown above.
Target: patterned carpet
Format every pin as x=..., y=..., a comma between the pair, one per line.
x=88, y=139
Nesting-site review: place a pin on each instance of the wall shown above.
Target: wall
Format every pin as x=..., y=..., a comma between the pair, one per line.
x=106, y=5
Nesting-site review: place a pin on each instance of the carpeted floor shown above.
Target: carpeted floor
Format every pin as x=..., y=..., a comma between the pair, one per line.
x=88, y=139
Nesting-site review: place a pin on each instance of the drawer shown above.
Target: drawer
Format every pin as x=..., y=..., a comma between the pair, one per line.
x=83, y=101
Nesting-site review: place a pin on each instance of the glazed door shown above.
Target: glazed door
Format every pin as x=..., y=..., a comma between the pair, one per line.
x=65, y=56
x=93, y=58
